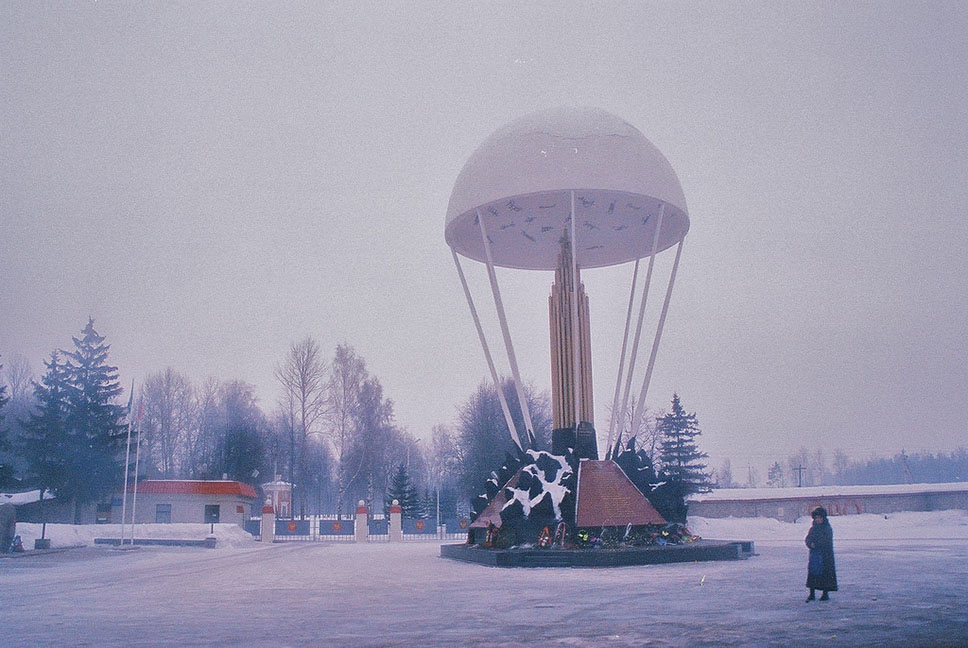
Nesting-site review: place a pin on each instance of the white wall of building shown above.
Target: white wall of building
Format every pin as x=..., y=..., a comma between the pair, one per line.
x=187, y=508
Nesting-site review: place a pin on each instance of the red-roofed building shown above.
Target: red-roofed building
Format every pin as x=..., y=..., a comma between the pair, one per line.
x=177, y=500
x=279, y=494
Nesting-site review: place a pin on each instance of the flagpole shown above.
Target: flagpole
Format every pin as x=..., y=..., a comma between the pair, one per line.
x=127, y=460
x=137, y=458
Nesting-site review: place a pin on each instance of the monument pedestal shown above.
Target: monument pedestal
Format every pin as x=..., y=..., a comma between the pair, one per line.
x=701, y=550
x=583, y=441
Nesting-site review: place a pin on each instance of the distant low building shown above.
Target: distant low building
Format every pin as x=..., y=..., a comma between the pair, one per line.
x=53, y=510
x=162, y=501
x=789, y=504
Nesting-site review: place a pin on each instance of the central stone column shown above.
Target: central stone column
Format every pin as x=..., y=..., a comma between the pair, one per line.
x=572, y=424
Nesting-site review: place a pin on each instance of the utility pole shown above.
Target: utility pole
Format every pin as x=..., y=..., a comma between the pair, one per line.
x=907, y=469
x=800, y=470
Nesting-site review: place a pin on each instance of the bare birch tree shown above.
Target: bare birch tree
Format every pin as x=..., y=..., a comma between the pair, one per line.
x=200, y=441
x=169, y=413
x=303, y=378
x=346, y=378
x=374, y=439
x=19, y=376
x=443, y=467
x=819, y=467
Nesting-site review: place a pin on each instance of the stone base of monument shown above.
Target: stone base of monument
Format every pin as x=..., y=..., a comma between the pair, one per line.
x=613, y=523
x=698, y=551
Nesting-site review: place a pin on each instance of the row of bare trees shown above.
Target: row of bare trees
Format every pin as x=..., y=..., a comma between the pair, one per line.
x=334, y=412
x=331, y=433
x=806, y=468
x=802, y=468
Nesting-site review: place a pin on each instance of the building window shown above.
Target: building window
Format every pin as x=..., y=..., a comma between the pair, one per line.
x=103, y=514
x=211, y=513
x=163, y=513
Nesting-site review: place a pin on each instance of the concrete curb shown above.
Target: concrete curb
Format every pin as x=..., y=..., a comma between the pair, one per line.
x=163, y=542
x=40, y=552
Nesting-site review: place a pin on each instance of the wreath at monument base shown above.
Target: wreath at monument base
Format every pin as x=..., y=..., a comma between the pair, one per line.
x=634, y=536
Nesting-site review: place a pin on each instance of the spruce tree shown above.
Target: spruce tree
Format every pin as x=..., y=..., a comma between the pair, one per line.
x=95, y=430
x=3, y=401
x=428, y=505
x=402, y=489
x=5, y=469
x=43, y=444
x=680, y=456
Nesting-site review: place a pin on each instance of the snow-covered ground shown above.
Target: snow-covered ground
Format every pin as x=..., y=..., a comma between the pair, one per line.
x=902, y=579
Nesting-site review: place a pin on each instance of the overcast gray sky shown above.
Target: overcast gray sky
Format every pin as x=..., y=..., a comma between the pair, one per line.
x=212, y=181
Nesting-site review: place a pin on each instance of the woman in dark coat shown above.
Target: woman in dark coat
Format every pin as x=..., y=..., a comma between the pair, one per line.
x=821, y=571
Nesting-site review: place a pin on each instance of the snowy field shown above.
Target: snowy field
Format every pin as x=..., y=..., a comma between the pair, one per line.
x=903, y=582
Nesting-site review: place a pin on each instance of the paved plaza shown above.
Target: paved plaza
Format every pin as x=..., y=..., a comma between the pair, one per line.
x=893, y=593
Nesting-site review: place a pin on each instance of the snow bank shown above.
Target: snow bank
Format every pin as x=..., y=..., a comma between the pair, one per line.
x=825, y=491
x=79, y=535
x=905, y=525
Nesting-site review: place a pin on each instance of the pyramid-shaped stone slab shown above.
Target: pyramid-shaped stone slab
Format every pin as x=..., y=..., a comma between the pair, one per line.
x=607, y=497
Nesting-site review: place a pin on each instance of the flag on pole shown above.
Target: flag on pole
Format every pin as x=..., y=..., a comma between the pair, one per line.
x=130, y=403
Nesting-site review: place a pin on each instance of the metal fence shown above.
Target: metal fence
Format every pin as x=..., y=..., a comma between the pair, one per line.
x=331, y=529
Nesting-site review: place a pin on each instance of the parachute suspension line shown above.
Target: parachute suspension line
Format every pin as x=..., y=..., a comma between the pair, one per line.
x=512, y=360
x=621, y=366
x=638, y=326
x=640, y=406
x=576, y=333
x=487, y=353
